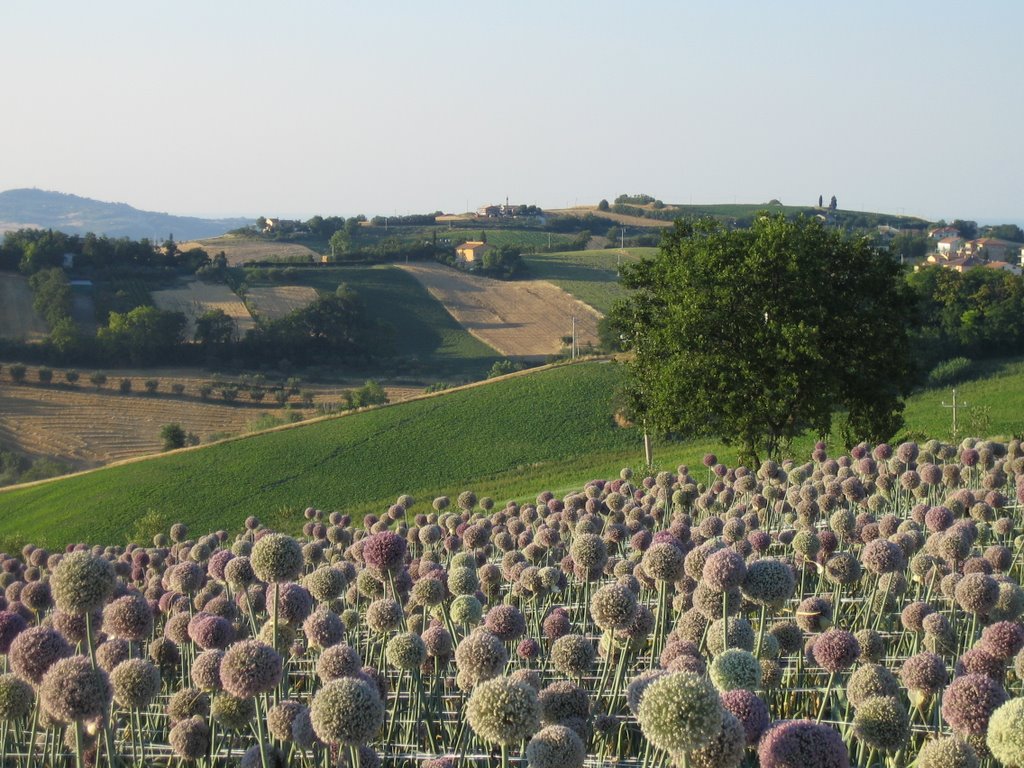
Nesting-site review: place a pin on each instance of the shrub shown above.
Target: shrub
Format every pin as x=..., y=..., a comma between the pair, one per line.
x=45, y=375
x=229, y=394
x=205, y=390
x=173, y=436
x=257, y=394
x=281, y=396
x=17, y=371
x=152, y=385
x=951, y=371
x=503, y=367
x=177, y=388
x=307, y=398
x=71, y=377
x=98, y=379
x=125, y=386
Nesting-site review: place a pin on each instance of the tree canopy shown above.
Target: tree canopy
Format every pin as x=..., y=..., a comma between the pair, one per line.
x=758, y=335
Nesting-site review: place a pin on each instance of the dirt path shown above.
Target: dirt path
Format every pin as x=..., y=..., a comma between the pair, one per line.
x=18, y=320
x=519, y=318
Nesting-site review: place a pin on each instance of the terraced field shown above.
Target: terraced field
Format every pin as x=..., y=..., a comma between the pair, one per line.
x=272, y=302
x=196, y=297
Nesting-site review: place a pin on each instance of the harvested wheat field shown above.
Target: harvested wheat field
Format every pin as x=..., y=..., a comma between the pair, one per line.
x=18, y=320
x=196, y=297
x=86, y=428
x=241, y=250
x=519, y=318
x=272, y=302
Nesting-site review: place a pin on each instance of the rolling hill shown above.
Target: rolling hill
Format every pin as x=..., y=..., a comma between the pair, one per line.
x=550, y=428
x=42, y=209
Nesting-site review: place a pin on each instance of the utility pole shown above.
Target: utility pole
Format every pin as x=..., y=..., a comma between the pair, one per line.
x=572, y=351
x=954, y=406
x=622, y=238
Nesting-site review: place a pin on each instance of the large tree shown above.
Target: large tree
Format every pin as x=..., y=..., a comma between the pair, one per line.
x=759, y=335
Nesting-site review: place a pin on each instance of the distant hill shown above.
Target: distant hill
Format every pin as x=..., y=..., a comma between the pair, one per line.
x=39, y=208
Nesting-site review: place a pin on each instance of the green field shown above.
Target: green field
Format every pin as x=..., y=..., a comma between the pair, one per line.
x=423, y=335
x=590, y=276
x=507, y=439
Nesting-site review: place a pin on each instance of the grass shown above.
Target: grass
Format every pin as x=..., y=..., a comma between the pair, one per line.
x=590, y=276
x=503, y=439
x=423, y=334
x=549, y=429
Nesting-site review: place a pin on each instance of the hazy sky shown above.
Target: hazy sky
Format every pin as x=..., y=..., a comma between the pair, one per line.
x=209, y=107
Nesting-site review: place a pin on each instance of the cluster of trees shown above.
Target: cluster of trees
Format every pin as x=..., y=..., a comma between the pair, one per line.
x=639, y=200
x=32, y=250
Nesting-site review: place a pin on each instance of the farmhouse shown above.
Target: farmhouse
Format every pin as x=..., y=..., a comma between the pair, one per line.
x=471, y=252
x=949, y=246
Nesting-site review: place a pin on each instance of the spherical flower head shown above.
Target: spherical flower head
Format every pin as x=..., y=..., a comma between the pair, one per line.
x=835, y=650
x=734, y=669
x=384, y=614
x=503, y=711
x=802, y=744
x=325, y=583
x=250, y=668
x=588, y=551
x=573, y=655
x=289, y=721
x=750, y=710
x=385, y=552
x=238, y=572
x=613, y=606
x=347, y=711
x=232, y=714
x=1005, y=736
x=505, y=622
x=82, y=582
x=323, y=628
x=663, y=561
x=977, y=593
x=724, y=570
x=35, y=650
x=276, y=558
x=480, y=656
x=638, y=686
x=136, y=682
x=1003, y=639
x=73, y=691
x=129, y=618
x=680, y=712
x=725, y=751
x=769, y=582
x=406, y=650
x=843, y=568
x=338, y=661
x=814, y=614
x=563, y=700
x=186, y=578
x=882, y=723
x=923, y=674
x=11, y=625
x=947, y=752
x=16, y=698
x=881, y=556
x=968, y=703
x=555, y=747
x=210, y=632
x=870, y=680
x=979, y=660
x=739, y=634
x=206, y=670
x=190, y=738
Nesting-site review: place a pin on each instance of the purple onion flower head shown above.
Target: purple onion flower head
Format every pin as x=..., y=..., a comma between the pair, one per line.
x=384, y=552
x=505, y=622
x=613, y=606
x=128, y=617
x=289, y=721
x=802, y=744
x=73, y=691
x=35, y=650
x=968, y=703
x=249, y=668
x=726, y=750
x=724, y=570
x=750, y=710
x=190, y=738
x=11, y=625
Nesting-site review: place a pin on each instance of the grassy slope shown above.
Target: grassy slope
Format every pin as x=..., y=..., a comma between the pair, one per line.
x=501, y=439
x=509, y=439
x=423, y=329
x=590, y=276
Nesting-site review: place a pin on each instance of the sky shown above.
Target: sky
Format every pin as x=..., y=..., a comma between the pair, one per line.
x=223, y=108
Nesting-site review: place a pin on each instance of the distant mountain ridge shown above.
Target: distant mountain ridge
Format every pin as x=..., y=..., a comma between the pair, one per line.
x=43, y=209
